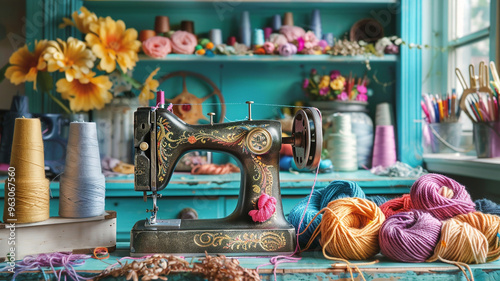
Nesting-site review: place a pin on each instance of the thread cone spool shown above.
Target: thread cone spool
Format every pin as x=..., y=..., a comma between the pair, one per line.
x=288, y=19
x=384, y=147
x=329, y=38
x=215, y=36
x=342, y=144
x=31, y=187
x=245, y=29
x=383, y=114
x=146, y=34
x=258, y=37
x=316, y=23
x=82, y=185
x=276, y=23
x=187, y=25
x=162, y=24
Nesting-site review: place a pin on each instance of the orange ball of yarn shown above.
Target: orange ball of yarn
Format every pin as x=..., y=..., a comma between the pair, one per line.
x=489, y=226
x=350, y=227
x=397, y=205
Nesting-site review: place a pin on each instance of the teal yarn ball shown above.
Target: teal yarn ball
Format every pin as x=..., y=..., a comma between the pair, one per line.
x=320, y=199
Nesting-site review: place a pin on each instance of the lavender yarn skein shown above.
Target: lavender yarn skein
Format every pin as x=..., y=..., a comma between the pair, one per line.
x=441, y=196
x=409, y=236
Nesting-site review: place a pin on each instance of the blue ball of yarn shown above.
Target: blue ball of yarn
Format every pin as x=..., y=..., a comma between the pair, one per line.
x=340, y=189
x=320, y=199
x=487, y=206
x=377, y=199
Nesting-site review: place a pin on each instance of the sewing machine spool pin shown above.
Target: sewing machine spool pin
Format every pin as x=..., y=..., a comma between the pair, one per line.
x=255, y=144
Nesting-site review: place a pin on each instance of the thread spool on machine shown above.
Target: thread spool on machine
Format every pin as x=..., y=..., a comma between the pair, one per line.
x=161, y=138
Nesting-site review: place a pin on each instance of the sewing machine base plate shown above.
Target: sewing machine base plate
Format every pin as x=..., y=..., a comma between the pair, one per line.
x=215, y=238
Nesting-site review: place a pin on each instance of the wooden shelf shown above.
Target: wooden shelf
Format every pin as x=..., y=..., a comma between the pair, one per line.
x=274, y=58
x=470, y=166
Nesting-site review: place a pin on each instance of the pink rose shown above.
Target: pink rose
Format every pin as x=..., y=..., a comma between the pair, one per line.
x=277, y=39
x=343, y=96
x=361, y=89
x=310, y=37
x=269, y=47
x=292, y=33
x=157, y=46
x=183, y=42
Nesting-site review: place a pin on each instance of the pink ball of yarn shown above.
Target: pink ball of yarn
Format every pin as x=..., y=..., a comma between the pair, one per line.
x=269, y=47
x=292, y=33
x=409, y=236
x=278, y=39
x=266, y=208
x=183, y=42
x=287, y=49
x=441, y=196
x=157, y=46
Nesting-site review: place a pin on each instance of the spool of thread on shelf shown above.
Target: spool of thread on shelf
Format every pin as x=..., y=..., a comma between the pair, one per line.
x=245, y=29
x=384, y=147
x=162, y=25
x=258, y=37
x=409, y=236
x=342, y=144
x=187, y=25
x=329, y=38
x=31, y=187
x=316, y=23
x=276, y=23
x=82, y=185
x=288, y=20
x=215, y=36
x=383, y=114
x=441, y=196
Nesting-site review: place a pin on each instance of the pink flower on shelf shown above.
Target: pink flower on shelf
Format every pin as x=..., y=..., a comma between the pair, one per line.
x=334, y=74
x=157, y=46
x=269, y=47
x=305, y=83
x=361, y=89
x=292, y=33
x=300, y=44
x=287, y=49
x=362, y=97
x=323, y=44
x=323, y=91
x=343, y=96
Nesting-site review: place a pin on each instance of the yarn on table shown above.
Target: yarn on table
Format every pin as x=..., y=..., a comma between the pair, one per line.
x=489, y=226
x=409, y=236
x=487, y=206
x=320, y=199
x=397, y=205
x=350, y=228
x=441, y=196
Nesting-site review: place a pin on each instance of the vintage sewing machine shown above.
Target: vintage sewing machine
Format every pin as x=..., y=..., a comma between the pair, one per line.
x=160, y=139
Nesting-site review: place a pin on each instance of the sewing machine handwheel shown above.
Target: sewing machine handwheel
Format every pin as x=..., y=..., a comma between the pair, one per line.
x=308, y=138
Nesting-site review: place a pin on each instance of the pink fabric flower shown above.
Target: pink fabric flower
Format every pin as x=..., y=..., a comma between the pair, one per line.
x=287, y=49
x=157, y=46
x=278, y=39
x=362, y=97
x=292, y=33
x=269, y=47
x=361, y=89
x=305, y=83
x=183, y=42
x=310, y=40
x=343, y=96
x=300, y=44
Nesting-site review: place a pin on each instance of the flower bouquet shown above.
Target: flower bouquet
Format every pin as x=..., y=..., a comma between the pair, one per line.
x=109, y=49
x=335, y=87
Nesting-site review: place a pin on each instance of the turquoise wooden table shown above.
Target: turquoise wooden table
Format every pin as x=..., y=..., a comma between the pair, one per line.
x=312, y=266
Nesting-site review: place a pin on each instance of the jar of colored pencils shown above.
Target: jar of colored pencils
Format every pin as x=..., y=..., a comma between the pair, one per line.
x=444, y=137
x=487, y=139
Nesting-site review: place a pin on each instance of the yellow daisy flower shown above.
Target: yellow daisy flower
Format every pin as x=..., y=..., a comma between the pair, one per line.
x=149, y=89
x=337, y=84
x=86, y=96
x=325, y=80
x=80, y=20
x=112, y=43
x=72, y=57
x=25, y=64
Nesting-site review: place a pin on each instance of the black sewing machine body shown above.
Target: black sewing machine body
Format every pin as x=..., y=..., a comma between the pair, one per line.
x=161, y=139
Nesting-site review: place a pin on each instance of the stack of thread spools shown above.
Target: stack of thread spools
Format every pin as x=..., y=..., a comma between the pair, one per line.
x=437, y=221
x=384, y=146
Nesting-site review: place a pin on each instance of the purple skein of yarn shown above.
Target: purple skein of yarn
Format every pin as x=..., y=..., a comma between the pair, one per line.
x=441, y=196
x=409, y=236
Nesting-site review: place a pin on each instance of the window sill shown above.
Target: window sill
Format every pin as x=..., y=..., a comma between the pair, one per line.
x=470, y=166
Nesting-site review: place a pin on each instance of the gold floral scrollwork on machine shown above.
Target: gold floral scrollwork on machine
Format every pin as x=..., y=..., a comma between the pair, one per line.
x=268, y=241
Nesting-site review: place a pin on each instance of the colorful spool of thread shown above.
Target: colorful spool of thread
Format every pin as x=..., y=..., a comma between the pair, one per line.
x=441, y=196
x=276, y=23
x=31, y=192
x=82, y=185
x=342, y=144
x=320, y=199
x=349, y=229
x=162, y=25
x=316, y=23
x=245, y=29
x=288, y=20
x=187, y=25
x=215, y=36
x=384, y=147
x=397, y=205
x=258, y=37
x=409, y=236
